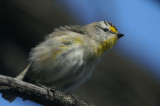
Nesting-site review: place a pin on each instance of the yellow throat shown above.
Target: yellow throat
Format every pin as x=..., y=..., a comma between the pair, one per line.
x=105, y=46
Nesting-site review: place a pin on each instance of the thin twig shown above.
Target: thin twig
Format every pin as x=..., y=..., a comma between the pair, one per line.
x=37, y=94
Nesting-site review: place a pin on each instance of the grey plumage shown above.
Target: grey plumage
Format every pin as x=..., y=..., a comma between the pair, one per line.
x=67, y=57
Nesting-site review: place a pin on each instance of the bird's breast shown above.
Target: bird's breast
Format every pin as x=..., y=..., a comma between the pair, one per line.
x=104, y=46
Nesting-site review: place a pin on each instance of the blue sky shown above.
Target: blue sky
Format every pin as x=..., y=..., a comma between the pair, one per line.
x=142, y=35
x=17, y=102
x=137, y=19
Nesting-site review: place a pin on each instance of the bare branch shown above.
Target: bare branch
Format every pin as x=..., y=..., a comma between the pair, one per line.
x=37, y=94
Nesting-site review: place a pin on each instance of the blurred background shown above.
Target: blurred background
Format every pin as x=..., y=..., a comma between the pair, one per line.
x=129, y=75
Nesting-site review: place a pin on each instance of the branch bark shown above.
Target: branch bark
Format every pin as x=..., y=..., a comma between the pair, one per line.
x=37, y=94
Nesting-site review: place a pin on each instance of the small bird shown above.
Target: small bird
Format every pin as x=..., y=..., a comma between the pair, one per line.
x=67, y=56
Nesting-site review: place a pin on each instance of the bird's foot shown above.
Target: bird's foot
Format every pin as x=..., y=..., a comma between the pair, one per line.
x=74, y=96
x=52, y=89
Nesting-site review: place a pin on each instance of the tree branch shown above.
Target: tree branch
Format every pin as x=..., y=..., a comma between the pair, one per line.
x=37, y=94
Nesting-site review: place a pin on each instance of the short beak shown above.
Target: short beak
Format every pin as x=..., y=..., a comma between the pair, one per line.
x=119, y=35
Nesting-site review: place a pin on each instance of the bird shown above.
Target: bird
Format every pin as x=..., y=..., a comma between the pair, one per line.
x=67, y=57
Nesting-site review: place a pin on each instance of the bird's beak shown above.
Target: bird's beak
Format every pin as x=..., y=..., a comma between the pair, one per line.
x=119, y=35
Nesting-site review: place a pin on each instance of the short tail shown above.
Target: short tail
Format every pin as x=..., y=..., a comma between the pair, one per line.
x=21, y=76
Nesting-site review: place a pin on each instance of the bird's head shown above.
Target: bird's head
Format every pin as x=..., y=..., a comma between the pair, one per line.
x=104, y=33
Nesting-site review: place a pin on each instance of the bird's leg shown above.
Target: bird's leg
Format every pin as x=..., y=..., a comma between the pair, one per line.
x=74, y=96
x=53, y=89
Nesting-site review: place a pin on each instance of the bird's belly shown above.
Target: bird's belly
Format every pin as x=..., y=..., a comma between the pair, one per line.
x=66, y=73
x=72, y=80
x=65, y=80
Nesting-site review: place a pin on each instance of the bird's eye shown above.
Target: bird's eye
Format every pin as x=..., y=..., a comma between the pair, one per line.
x=105, y=29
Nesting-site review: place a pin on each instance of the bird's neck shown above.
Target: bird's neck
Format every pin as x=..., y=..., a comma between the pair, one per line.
x=105, y=45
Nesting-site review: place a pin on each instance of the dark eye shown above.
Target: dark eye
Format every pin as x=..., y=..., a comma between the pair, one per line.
x=105, y=29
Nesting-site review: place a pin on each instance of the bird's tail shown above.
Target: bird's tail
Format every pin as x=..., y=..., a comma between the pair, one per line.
x=21, y=76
